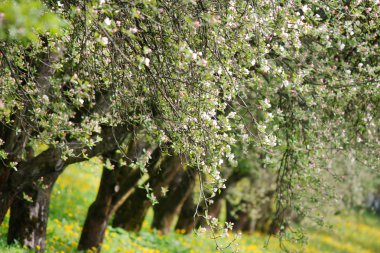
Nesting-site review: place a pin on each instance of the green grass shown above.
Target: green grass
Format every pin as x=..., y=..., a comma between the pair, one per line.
x=76, y=189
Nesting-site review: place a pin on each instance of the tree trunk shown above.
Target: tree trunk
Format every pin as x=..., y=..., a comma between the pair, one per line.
x=28, y=217
x=111, y=194
x=43, y=165
x=28, y=220
x=6, y=199
x=14, y=145
x=98, y=214
x=131, y=214
x=186, y=220
x=4, y=174
x=216, y=207
x=16, y=135
x=127, y=182
x=49, y=161
x=169, y=207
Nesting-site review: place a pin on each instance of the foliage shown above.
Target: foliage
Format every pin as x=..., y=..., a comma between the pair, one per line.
x=24, y=20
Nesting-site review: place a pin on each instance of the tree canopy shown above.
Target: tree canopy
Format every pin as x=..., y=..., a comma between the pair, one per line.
x=224, y=86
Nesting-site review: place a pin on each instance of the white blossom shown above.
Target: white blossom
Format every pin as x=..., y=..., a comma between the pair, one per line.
x=146, y=61
x=107, y=21
x=105, y=40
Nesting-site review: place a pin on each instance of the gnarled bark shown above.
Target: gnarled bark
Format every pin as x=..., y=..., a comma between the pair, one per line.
x=28, y=218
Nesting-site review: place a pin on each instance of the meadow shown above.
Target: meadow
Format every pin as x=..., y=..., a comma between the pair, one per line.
x=76, y=189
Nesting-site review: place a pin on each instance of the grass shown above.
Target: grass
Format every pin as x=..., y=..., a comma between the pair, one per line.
x=76, y=189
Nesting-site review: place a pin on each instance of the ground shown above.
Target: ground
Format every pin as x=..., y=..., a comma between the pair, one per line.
x=76, y=189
